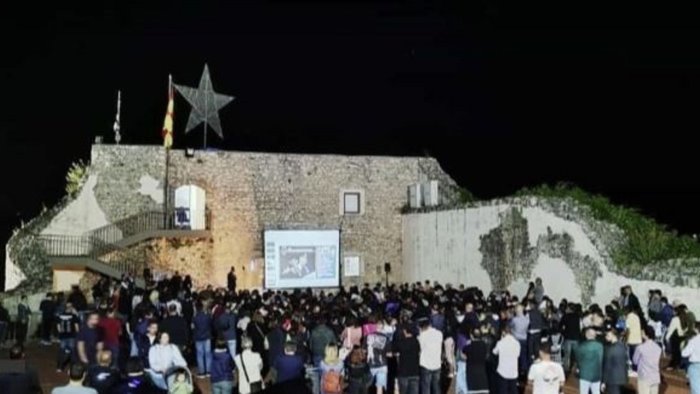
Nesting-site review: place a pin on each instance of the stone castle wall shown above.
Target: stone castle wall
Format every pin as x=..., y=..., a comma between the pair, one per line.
x=249, y=192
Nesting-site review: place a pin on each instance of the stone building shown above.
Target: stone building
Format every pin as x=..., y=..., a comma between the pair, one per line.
x=246, y=193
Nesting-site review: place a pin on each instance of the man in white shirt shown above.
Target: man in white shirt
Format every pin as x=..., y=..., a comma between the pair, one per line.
x=692, y=352
x=546, y=376
x=508, y=351
x=430, y=341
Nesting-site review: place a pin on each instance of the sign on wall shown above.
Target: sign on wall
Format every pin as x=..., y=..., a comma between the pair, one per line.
x=351, y=266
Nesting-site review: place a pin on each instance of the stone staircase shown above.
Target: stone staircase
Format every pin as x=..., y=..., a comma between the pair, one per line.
x=106, y=250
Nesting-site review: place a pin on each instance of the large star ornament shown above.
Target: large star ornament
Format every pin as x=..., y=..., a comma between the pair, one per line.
x=205, y=103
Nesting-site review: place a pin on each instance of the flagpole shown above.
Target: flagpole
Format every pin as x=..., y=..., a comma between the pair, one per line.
x=166, y=187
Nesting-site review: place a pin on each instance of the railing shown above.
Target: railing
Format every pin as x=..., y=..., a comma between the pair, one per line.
x=100, y=245
x=112, y=256
x=174, y=219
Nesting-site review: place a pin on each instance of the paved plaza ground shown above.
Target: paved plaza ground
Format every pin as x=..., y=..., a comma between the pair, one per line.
x=43, y=360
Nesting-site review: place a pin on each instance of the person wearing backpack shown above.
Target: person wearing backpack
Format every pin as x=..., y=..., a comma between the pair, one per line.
x=331, y=372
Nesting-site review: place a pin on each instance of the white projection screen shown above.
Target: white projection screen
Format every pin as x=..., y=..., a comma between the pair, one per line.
x=302, y=258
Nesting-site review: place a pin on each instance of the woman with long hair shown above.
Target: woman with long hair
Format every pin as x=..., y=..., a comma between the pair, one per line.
x=331, y=371
x=163, y=358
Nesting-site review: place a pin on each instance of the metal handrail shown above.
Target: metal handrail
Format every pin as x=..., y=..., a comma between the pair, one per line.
x=144, y=222
x=101, y=244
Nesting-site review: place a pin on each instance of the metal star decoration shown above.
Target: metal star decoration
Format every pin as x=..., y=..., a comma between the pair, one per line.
x=205, y=103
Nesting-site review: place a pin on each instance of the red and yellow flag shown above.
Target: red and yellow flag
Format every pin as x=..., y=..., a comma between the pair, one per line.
x=168, y=123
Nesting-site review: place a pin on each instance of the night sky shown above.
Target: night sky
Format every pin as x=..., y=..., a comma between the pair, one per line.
x=504, y=96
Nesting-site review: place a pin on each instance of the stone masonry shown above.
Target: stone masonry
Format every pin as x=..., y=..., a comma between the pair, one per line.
x=250, y=192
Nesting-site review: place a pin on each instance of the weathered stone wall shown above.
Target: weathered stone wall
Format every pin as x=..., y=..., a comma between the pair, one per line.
x=249, y=192
x=504, y=244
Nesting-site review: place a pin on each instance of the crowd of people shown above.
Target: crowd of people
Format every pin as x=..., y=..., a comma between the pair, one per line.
x=408, y=338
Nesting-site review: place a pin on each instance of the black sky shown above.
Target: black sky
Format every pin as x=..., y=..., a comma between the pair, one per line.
x=505, y=96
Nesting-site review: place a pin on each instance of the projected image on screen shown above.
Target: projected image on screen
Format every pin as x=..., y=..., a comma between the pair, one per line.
x=301, y=258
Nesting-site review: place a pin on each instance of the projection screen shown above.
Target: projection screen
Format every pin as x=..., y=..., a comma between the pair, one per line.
x=302, y=258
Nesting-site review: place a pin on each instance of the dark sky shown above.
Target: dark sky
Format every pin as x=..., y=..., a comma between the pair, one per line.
x=503, y=95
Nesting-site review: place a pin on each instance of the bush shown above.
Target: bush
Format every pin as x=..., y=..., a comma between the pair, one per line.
x=647, y=242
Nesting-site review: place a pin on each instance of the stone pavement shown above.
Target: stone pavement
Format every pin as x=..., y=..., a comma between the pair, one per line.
x=43, y=360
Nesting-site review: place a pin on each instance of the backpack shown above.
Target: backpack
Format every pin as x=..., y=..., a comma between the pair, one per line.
x=330, y=383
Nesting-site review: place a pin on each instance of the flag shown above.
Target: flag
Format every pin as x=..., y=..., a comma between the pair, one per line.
x=117, y=126
x=168, y=123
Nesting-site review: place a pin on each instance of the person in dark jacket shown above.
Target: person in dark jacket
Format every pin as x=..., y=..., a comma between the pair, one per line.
x=225, y=326
x=16, y=377
x=321, y=336
x=48, y=313
x=231, y=280
x=476, y=352
x=136, y=381
x=77, y=298
x=202, y=340
x=102, y=377
x=614, y=364
x=534, y=334
x=221, y=369
x=176, y=326
x=570, y=327
x=275, y=339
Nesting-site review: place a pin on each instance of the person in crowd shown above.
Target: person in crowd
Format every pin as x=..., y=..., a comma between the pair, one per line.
x=202, y=329
x=321, y=336
x=332, y=371
x=287, y=367
x=111, y=330
x=614, y=364
x=75, y=385
x=666, y=313
x=221, y=369
x=534, y=337
x=147, y=340
x=256, y=332
x=77, y=298
x=177, y=328
x=476, y=352
x=225, y=326
x=674, y=335
x=508, y=350
x=181, y=385
x=545, y=375
x=691, y=351
x=164, y=358
x=24, y=314
x=630, y=300
x=249, y=367
x=89, y=340
x=647, y=358
x=358, y=374
x=430, y=341
x=136, y=381
x=4, y=323
x=538, y=290
x=407, y=351
x=276, y=339
x=67, y=328
x=589, y=359
x=519, y=325
x=633, y=332
x=654, y=306
x=351, y=335
x=570, y=327
x=16, y=377
x=48, y=313
x=378, y=348
x=103, y=377
x=231, y=280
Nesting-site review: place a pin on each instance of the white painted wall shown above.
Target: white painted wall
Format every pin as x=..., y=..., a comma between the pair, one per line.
x=444, y=246
x=80, y=215
x=63, y=280
x=13, y=275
